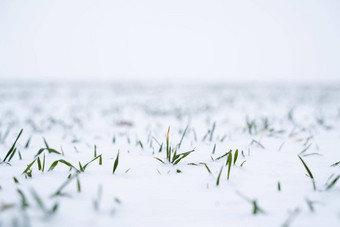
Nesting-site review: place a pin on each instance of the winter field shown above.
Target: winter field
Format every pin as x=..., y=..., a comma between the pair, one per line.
x=166, y=155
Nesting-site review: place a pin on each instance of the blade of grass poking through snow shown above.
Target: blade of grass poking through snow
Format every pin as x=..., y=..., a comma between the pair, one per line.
x=69, y=179
x=310, y=204
x=99, y=156
x=55, y=163
x=43, y=166
x=330, y=185
x=212, y=131
x=24, y=202
x=78, y=184
x=45, y=142
x=81, y=167
x=140, y=144
x=13, y=153
x=206, y=166
x=213, y=151
x=115, y=164
x=15, y=180
x=95, y=151
x=219, y=177
x=12, y=149
x=184, y=132
x=50, y=150
x=39, y=163
x=229, y=163
x=308, y=171
x=160, y=148
x=242, y=163
x=29, y=166
x=335, y=164
x=96, y=202
x=181, y=156
x=256, y=209
x=28, y=142
x=159, y=160
x=168, y=148
x=305, y=149
x=222, y=156
x=42, y=205
x=258, y=143
x=38, y=200
x=235, y=156
x=174, y=156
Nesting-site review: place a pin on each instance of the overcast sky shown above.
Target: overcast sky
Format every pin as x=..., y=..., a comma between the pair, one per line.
x=211, y=40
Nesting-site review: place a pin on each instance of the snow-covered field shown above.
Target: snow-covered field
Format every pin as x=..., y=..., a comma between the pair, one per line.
x=249, y=143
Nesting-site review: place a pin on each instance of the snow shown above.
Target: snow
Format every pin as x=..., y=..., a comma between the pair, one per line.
x=73, y=118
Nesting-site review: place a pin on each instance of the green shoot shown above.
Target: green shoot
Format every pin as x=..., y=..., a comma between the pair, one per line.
x=330, y=185
x=13, y=149
x=309, y=172
x=115, y=164
x=184, y=132
x=219, y=177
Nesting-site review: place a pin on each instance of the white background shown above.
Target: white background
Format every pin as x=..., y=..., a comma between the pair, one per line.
x=181, y=40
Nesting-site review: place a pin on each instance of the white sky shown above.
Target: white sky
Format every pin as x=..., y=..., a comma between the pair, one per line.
x=211, y=40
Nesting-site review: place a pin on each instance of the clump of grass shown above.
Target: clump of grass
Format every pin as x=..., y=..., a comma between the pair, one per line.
x=41, y=166
x=41, y=205
x=309, y=172
x=28, y=170
x=231, y=160
x=68, y=180
x=257, y=143
x=210, y=133
x=251, y=126
x=171, y=155
x=50, y=150
x=256, y=209
x=278, y=186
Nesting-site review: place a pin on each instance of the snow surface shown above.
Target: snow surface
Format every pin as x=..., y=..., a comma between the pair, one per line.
x=288, y=120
